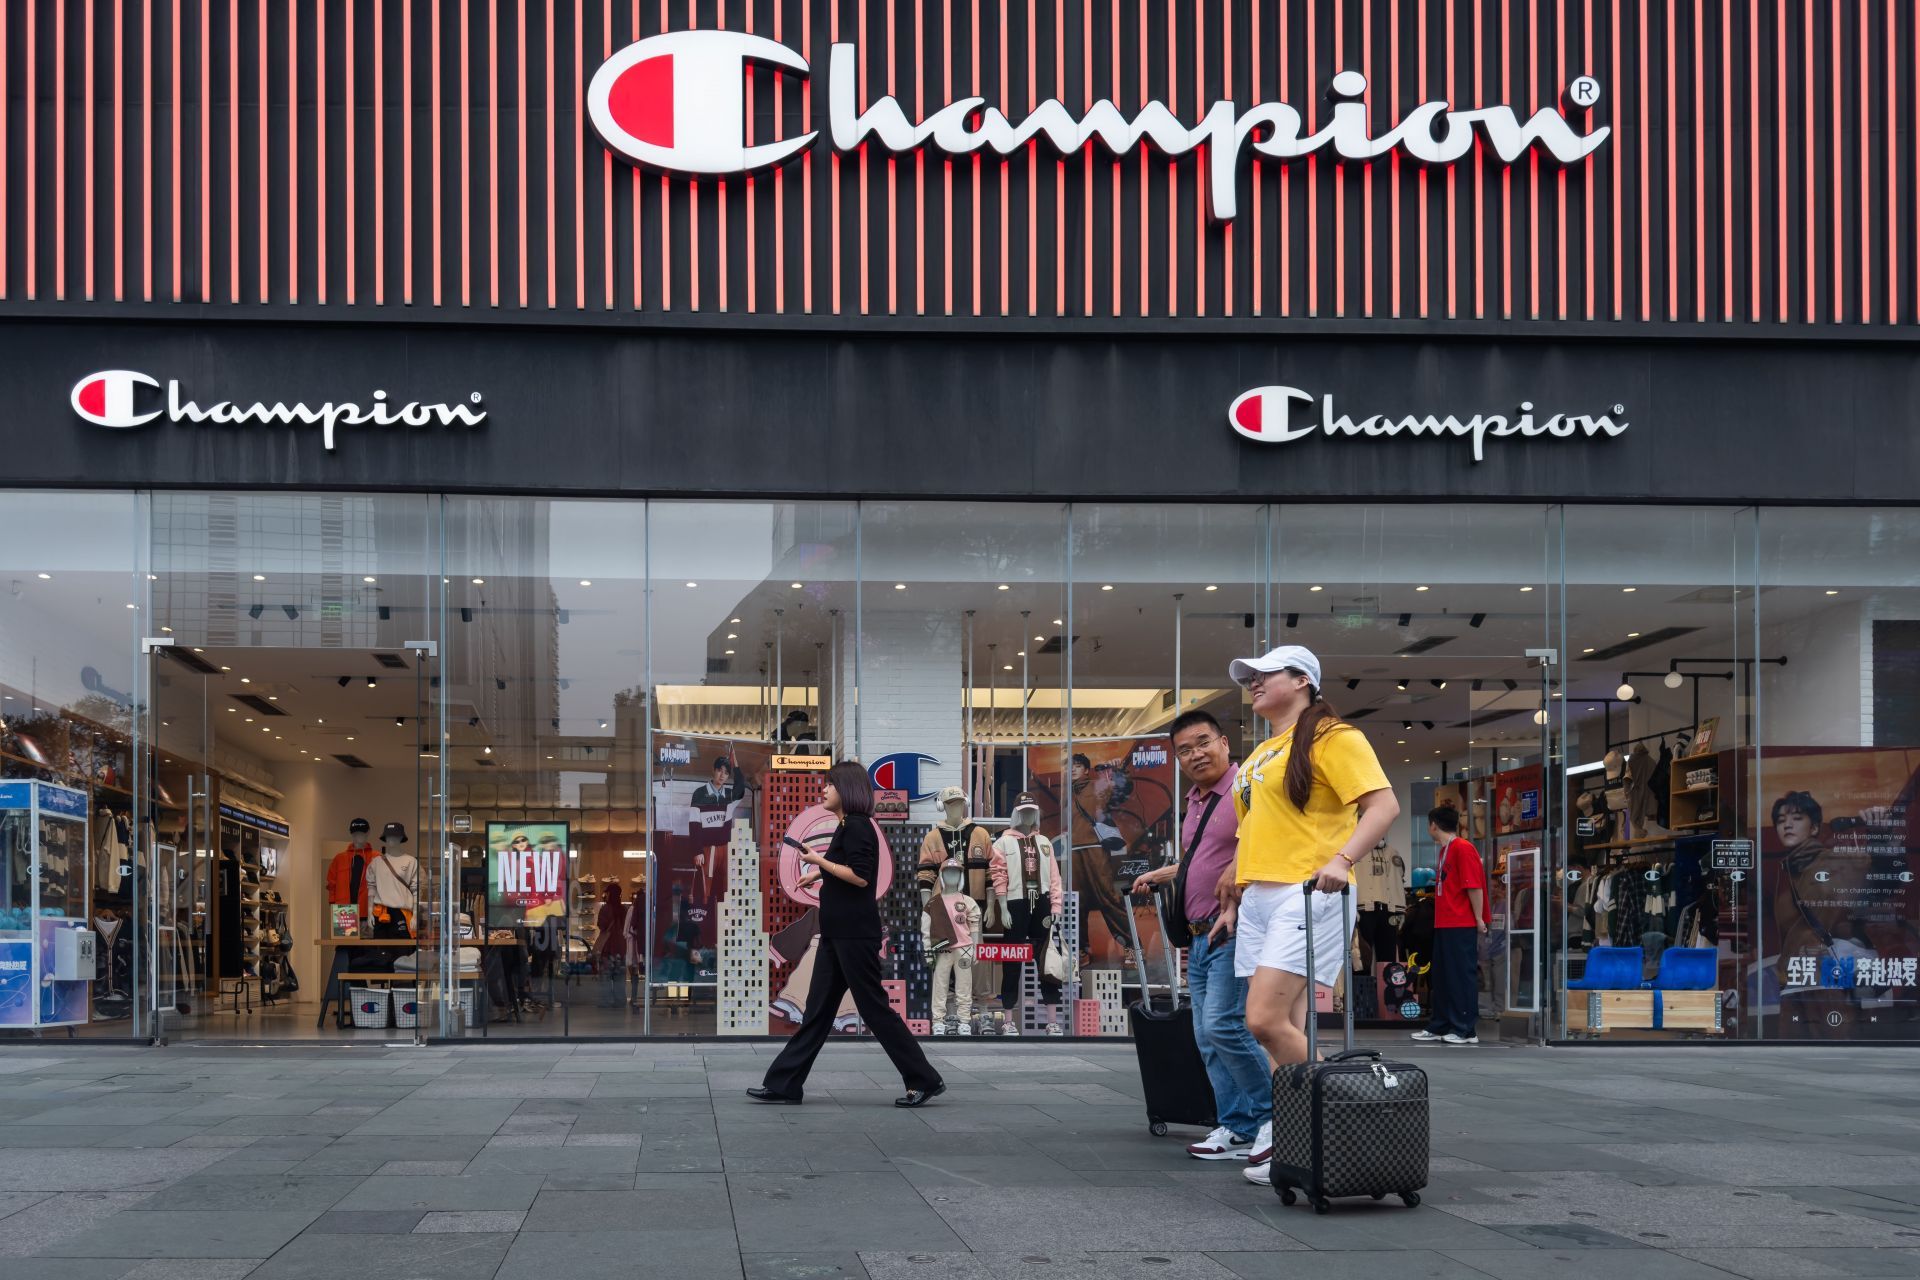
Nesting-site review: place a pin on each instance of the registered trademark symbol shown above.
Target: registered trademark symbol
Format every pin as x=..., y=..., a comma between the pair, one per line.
x=1584, y=92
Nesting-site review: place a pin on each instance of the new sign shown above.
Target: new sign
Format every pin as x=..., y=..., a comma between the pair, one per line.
x=1283, y=415
x=676, y=102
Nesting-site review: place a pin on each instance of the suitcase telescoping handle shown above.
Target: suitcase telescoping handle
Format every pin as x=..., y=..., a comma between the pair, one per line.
x=1346, y=933
x=1140, y=955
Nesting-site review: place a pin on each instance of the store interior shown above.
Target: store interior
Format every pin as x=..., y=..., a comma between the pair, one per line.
x=1595, y=689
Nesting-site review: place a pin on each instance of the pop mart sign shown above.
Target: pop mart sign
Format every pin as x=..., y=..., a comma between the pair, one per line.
x=677, y=102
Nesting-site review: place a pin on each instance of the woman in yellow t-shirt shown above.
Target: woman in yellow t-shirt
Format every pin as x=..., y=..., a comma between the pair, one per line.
x=1297, y=796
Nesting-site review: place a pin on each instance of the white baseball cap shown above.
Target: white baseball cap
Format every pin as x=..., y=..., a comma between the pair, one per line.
x=1300, y=659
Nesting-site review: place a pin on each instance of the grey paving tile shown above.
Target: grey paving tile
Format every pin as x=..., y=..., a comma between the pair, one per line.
x=68, y=1268
x=1785, y=1264
x=451, y=1256
x=1037, y=1219
x=438, y=1117
x=357, y=1153
x=514, y=1086
x=810, y=1212
x=1587, y=1264
x=12, y=1202
x=187, y=1234
x=97, y=1114
x=462, y=1220
x=90, y=1169
x=695, y=1208
x=1050, y=1265
x=195, y=1269
x=1354, y=1264
x=55, y=1219
x=461, y=1191
x=684, y=1255
x=1772, y=1164
x=557, y=1160
x=965, y=1169
x=241, y=1192
x=366, y=1222
x=803, y=1266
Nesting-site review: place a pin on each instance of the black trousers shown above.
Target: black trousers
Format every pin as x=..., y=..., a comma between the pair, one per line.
x=1026, y=927
x=841, y=965
x=1456, y=981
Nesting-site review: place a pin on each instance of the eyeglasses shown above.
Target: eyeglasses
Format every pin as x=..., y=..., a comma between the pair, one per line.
x=1195, y=749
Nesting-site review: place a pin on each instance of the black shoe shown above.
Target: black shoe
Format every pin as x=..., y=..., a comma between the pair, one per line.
x=921, y=1097
x=760, y=1093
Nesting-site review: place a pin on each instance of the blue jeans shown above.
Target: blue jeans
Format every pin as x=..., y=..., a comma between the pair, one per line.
x=1237, y=1065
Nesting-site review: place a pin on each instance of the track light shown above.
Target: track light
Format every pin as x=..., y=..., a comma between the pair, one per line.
x=372, y=683
x=473, y=722
x=1426, y=724
x=256, y=611
x=400, y=721
x=1477, y=619
x=500, y=684
x=1406, y=619
x=1401, y=685
x=1293, y=620
x=466, y=615
x=386, y=614
x=1353, y=684
x=293, y=614
x=1476, y=686
x=1511, y=685
x=1438, y=684
x=1406, y=724
x=345, y=681
x=564, y=616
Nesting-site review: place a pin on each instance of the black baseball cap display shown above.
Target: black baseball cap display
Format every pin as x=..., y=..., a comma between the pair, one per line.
x=359, y=826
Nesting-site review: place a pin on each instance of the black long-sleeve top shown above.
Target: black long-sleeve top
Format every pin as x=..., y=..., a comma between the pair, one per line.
x=848, y=911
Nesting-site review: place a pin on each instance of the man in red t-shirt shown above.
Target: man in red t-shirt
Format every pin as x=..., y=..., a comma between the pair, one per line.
x=1459, y=918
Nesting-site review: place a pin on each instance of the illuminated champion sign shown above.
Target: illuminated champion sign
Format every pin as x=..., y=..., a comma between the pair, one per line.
x=675, y=102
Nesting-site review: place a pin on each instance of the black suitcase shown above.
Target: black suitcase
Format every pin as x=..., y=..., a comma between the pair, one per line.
x=1177, y=1088
x=1354, y=1125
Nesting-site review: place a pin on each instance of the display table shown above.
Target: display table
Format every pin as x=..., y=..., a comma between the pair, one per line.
x=340, y=967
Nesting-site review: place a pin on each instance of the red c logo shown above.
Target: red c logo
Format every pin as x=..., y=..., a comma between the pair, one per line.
x=106, y=398
x=674, y=102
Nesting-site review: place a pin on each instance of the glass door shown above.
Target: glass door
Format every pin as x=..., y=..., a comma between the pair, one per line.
x=174, y=846
x=447, y=984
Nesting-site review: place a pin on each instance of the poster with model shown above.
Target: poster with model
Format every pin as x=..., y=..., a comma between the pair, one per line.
x=1840, y=934
x=700, y=785
x=1108, y=806
x=526, y=871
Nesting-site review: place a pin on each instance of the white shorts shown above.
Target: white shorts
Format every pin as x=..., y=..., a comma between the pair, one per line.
x=1272, y=932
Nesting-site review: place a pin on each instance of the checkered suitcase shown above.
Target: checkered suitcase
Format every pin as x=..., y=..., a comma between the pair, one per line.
x=1354, y=1125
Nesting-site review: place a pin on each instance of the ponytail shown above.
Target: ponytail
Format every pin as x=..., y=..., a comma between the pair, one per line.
x=1315, y=718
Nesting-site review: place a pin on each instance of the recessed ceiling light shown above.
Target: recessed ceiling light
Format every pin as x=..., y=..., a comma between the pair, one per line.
x=899, y=586
x=729, y=653
x=166, y=631
x=733, y=635
x=1420, y=588
x=1316, y=587
x=586, y=582
x=233, y=708
x=479, y=582
x=1524, y=590
x=1003, y=587
x=350, y=738
x=259, y=577
x=795, y=585
x=44, y=577
x=1021, y=654
x=1041, y=639
x=1058, y=623
x=266, y=728
x=131, y=605
x=1588, y=649
x=1399, y=742
x=246, y=679
x=198, y=649
x=1107, y=587
x=1212, y=587
x=734, y=621
x=486, y=751
x=1633, y=635
x=319, y=721
x=1832, y=592
x=249, y=718
x=1007, y=667
x=549, y=757
x=1629, y=590
x=273, y=697
x=222, y=668
x=693, y=584
x=153, y=577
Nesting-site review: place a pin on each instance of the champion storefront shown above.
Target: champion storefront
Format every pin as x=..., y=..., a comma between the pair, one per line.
x=470, y=467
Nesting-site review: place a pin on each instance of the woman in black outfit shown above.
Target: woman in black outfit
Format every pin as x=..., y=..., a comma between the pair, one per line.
x=849, y=953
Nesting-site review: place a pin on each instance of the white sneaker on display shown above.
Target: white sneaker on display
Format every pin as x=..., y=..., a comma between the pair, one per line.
x=1259, y=1173
x=1221, y=1144
x=1262, y=1150
x=939, y=1028
x=1424, y=1036
x=1452, y=1038
x=964, y=1029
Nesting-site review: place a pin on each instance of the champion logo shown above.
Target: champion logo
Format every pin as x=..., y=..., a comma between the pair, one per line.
x=1283, y=415
x=106, y=399
x=676, y=102
x=901, y=772
x=112, y=398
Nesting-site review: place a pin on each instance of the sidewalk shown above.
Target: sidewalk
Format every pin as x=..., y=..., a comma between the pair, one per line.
x=549, y=1162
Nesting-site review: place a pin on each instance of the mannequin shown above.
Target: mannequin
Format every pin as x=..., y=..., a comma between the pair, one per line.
x=393, y=882
x=951, y=925
x=957, y=838
x=347, y=872
x=1027, y=891
x=610, y=949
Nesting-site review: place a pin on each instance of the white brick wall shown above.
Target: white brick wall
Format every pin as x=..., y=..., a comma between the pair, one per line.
x=911, y=695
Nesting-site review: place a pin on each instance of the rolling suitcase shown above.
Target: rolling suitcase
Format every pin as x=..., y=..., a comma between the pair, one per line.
x=1354, y=1125
x=1177, y=1088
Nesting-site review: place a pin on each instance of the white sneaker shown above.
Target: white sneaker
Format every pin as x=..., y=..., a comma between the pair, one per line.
x=1262, y=1150
x=1221, y=1144
x=939, y=1028
x=1259, y=1173
x=1451, y=1038
x=1424, y=1036
x=965, y=1029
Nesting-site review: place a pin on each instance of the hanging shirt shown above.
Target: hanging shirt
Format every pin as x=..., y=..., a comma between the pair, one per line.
x=1380, y=879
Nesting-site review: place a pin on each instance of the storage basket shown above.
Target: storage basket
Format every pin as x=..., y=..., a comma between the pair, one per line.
x=371, y=1005
x=406, y=1007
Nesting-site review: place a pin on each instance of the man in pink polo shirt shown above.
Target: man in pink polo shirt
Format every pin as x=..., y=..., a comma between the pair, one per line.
x=1237, y=1066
